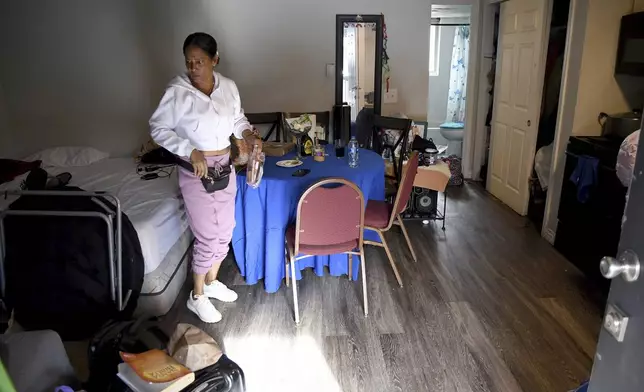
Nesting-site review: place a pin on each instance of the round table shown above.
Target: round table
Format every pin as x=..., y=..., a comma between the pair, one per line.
x=263, y=214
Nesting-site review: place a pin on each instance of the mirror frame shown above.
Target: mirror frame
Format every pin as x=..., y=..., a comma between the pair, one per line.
x=340, y=20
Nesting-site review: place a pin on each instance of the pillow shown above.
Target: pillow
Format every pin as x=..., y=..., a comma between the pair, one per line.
x=69, y=156
x=11, y=168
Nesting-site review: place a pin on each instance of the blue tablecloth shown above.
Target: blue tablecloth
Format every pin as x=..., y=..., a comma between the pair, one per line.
x=263, y=214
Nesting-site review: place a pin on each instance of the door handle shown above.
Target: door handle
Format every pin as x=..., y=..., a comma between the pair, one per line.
x=627, y=265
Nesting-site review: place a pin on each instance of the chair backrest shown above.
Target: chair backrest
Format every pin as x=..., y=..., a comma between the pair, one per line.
x=274, y=119
x=406, y=185
x=321, y=118
x=364, y=128
x=331, y=211
x=381, y=123
x=403, y=125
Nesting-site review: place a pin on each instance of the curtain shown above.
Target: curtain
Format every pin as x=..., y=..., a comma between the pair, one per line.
x=350, y=67
x=458, y=76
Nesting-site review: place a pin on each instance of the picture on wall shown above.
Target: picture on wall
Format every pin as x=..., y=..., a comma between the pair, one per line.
x=418, y=128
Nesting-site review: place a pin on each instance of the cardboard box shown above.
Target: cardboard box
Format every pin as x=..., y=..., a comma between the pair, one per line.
x=277, y=149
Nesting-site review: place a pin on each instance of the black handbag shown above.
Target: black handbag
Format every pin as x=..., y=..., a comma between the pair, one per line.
x=224, y=376
x=217, y=178
x=134, y=336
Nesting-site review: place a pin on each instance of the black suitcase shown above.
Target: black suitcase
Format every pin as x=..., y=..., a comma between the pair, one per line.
x=140, y=335
x=224, y=376
x=134, y=336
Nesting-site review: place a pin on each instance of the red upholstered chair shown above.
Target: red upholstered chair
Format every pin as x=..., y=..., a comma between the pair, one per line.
x=330, y=220
x=380, y=215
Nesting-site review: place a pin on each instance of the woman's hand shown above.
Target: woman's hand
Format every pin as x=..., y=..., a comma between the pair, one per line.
x=257, y=141
x=199, y=163
x=253, y=139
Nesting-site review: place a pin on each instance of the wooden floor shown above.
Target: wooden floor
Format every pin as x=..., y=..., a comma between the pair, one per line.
x=490, y=306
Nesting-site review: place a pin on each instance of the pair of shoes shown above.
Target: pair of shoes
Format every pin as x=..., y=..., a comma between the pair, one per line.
x=220, y=291
x=201, y=305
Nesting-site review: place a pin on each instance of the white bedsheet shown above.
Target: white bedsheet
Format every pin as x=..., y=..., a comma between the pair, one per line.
x=154, y=207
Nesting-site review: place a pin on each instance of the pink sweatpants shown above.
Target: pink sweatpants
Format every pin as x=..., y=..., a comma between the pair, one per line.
x=211, y=216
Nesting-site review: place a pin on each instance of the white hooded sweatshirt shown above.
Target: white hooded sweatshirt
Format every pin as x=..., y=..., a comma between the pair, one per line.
x=187, y=119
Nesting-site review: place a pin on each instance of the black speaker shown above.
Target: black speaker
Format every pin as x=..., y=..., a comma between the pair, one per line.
x=342, y=122
x=422, y=204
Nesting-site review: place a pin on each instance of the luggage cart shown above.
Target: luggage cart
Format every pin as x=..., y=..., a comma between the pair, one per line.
x=111, y=217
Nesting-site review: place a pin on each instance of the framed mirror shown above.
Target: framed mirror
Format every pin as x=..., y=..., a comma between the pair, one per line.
x=358, y=62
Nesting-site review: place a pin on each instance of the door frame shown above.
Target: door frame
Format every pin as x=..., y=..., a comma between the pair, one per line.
x=479, y=145
x=541, y=68
x=575, y=37
x=473, y=72
x=340, y=20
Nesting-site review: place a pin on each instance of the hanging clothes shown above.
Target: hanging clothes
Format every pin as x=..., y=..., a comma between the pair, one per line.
x=585, y=176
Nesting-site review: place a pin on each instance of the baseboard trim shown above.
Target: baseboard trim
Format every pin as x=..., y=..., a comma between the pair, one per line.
x=549, y=235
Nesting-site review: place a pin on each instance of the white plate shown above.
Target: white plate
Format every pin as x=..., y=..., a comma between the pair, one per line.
x=289, y=163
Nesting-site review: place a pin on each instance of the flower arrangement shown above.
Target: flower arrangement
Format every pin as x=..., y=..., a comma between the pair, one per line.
x=299, y=124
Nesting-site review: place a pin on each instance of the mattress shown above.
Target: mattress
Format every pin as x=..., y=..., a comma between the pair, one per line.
x=162, y=286
x=156, y=282
x=154, y=207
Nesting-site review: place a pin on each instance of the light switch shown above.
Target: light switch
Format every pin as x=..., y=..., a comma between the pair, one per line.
x=391, y=96
x=330, y=70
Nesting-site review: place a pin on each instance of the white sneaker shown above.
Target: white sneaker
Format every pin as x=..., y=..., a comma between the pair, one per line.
x=218, y=290
x=203, y=308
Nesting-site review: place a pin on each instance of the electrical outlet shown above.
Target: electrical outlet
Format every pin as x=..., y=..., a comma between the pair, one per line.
x=391, y=96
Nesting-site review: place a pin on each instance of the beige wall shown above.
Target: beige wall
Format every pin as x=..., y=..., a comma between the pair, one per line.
x=598, y=89
x=90, y=72
x=638, y=5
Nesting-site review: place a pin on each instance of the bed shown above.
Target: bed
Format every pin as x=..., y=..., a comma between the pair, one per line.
x=156, y=211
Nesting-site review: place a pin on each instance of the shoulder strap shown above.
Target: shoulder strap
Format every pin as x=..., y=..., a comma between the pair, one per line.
x=184, y=164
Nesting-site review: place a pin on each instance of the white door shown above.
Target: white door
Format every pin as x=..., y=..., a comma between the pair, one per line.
x=517, y=100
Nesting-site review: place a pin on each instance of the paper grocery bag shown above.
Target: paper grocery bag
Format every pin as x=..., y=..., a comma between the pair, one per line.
x=193, y=348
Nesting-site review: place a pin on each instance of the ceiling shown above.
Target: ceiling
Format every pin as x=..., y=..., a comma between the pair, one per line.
x=450, y=11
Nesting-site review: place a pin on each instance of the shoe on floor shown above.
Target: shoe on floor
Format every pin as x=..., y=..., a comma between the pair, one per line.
x=218, y=290
x=203, y=308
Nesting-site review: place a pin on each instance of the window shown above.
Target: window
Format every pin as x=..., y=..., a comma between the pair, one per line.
x=434, y=40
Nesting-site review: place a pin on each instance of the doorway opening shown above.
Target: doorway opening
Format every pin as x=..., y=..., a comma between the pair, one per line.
x=449, y=54
x=549, y=110
x=359, y=59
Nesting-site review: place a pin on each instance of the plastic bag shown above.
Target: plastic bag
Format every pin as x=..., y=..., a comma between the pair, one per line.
x=542, y=164
x=255, y=168
x=193, y=348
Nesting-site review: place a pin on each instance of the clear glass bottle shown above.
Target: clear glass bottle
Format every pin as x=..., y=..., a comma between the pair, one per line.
x=354, y=153
x=255, y=168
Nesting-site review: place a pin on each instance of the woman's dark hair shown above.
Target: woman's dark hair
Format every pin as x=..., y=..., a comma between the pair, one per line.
x=202, y=41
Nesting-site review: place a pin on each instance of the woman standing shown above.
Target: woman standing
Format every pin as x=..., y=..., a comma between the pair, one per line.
x=195, y=118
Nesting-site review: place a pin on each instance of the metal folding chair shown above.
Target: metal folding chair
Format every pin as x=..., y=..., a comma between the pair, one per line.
x=330, y=220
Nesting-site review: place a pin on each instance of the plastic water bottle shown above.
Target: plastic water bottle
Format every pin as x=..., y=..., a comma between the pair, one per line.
x=354, y=154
